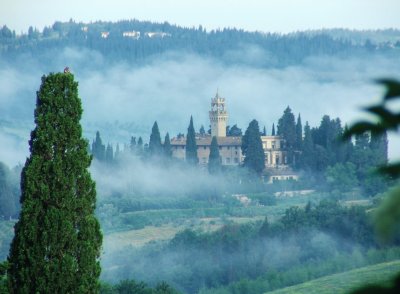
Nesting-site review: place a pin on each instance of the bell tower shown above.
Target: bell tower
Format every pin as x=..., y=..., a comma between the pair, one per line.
x=218, y=116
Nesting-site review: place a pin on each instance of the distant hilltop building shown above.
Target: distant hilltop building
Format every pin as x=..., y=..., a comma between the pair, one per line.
x=230, y=146
x=105, y=35
x=157, y=34
x=131, y=34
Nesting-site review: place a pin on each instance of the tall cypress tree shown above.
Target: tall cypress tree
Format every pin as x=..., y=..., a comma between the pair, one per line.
x=287, y=128
x=299, y=133
x=273, y=130
x=155, y=146
x=167, y=146
x=214, y=159
x=98, y=148
x=307, y=157
x=252, y=149
x=191, y=147
x=57, y=240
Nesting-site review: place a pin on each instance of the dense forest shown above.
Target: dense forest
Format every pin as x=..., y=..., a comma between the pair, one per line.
x=152, y=39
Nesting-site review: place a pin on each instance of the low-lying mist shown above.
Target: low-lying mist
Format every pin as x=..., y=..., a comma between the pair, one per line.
x=121, y=99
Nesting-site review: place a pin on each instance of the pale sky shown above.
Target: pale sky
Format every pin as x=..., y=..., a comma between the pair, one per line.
x=262, y=15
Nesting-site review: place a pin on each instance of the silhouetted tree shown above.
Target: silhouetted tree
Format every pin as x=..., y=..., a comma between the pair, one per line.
x=155, y=146
x=252, y=149
x=299, y=134
x=167, y=146
x=98, y=148
x=191, y=147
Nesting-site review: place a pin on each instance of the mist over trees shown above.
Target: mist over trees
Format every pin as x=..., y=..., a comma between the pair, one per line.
x=152, y=39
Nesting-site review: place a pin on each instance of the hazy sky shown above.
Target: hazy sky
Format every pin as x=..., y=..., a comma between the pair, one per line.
x=263, y=15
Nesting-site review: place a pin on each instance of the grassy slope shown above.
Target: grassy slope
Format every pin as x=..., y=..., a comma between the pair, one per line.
x=347, y=281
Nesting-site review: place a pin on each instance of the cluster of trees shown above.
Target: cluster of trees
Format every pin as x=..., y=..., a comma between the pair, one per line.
x=310, y=240
x=321, y=152
x=283, y=49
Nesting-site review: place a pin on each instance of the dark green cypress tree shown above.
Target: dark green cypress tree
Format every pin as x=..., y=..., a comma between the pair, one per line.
x=307, y=157
x=264, y=131
x=214, y=159
x=155, y=146
x=273, y=130
x=57, y=240
x=191, y=147
x=287, y=128
x=299, y=134
x=252, y=149
x=167, y=147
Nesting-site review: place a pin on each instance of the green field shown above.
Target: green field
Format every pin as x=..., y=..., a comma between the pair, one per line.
x=347, y=281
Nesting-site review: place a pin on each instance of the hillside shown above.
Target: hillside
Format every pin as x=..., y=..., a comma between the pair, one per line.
x=137, y=41
x=347, y=281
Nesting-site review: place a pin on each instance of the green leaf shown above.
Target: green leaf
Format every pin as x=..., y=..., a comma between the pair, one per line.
x=392, y=88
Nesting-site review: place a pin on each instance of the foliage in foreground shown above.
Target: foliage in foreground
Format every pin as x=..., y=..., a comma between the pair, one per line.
x=56, y=247
x=388, y=215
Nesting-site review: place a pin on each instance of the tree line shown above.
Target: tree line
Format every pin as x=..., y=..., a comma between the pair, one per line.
x=284, y=49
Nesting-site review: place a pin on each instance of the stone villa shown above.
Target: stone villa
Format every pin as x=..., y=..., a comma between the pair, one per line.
x=230, y=146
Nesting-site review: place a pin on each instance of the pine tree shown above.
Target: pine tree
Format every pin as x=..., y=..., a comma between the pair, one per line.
x=214, y=159
x=57, y=240
x=252, y=149
x=167, y=147
x=273, y=130
x=155, y=146
x=191, y=147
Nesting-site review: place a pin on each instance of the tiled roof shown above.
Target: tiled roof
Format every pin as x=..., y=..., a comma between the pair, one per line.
x=206, y=141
